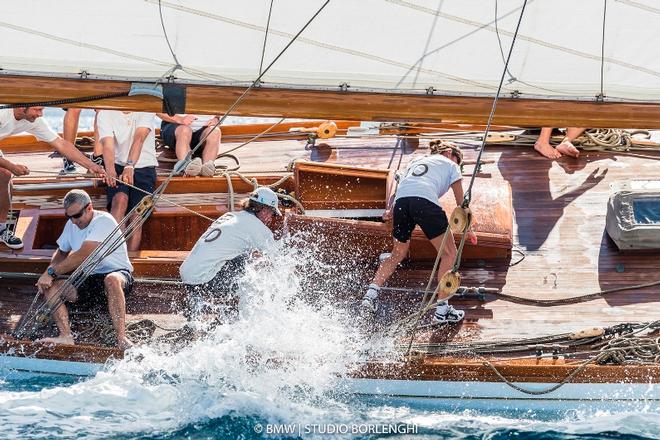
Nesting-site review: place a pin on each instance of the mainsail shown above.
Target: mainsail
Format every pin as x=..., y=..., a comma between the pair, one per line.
x=591, y=51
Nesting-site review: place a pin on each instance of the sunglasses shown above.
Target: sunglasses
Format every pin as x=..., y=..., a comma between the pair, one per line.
x=78, y=214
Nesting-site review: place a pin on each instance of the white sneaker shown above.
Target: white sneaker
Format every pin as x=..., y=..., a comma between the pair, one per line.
x=370, y=299
x=208, y=169
x=445, y=313
x=194, y=167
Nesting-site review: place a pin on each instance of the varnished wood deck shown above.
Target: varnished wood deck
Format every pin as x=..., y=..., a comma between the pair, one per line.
x=559, y=225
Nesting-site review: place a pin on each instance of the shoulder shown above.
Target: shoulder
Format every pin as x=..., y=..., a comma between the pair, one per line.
x=103, y=219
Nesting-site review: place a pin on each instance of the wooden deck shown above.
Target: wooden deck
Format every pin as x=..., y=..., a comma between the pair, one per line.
x=559, y=225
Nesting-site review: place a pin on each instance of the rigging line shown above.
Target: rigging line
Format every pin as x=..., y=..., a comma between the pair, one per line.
x=602, y=53
x=468, y=193
x=163, y=185
x=263, y=49
x=428, y=42
x=499, y=42
x=169, y=45
x=323, y=45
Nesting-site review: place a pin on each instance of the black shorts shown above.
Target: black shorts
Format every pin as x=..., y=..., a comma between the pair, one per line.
x=143, y=178
x=168, y=135
x=200, y=298
x=412, y=211
x=91, y=293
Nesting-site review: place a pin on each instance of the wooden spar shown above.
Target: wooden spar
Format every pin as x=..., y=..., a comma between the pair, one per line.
x=326, y=104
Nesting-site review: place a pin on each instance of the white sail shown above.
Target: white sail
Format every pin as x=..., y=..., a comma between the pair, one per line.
x=454, y=46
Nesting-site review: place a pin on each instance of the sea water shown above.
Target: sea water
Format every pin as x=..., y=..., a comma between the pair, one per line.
x=276, y=372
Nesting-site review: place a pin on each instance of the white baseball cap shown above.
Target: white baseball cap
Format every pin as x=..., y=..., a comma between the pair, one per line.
x=266, y=196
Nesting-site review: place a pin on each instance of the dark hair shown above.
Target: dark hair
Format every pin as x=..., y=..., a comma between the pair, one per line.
x=253, y=206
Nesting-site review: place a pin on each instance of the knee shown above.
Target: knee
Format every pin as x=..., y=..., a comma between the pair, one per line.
x=119, y=203
x=5, y=176
x=183, y=131
x=113, y=283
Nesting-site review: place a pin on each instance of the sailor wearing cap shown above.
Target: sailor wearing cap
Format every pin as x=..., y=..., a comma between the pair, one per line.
x=416, y=202
x=218, y=258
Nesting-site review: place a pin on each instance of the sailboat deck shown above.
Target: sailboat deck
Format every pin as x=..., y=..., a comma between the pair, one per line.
x=559, y=227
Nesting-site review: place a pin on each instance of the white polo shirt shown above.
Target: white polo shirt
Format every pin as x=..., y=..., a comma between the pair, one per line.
x=39, y=128
x=233, y=234
x=98, y=229
x=121, y=128
x=428, y=177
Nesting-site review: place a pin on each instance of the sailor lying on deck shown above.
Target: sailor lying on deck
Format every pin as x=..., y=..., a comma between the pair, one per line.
x=416, y=202
x=183, y=132
x=18, y=120
x=218, y=258
x=109, y=282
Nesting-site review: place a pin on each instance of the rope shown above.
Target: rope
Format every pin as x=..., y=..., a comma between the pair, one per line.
x=263, y=48
x=177, y=64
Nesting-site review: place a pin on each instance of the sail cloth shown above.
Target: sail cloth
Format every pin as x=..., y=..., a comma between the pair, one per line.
x=453, y=46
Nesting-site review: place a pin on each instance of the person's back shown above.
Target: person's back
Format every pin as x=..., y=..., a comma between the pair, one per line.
x=230, y=236
x=428, y=177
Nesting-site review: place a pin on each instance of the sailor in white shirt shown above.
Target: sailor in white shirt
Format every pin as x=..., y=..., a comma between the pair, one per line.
x=184, y=132
x=28, y=119
x=129, y=155
x=109, y=282
x=416, y=202
x=218, y=257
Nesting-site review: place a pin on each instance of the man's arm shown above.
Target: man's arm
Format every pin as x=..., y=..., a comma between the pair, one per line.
x=141, y=134
x=457, y=188
x=75, y=258
x=14, y=168
x=177, y=119
x=68, y=150
x=108, y=145
x=45, y=281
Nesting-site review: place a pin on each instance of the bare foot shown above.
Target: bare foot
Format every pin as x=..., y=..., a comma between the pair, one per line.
x=124, y=343
x=568, y=149
x=58, y=340
x=546, y=150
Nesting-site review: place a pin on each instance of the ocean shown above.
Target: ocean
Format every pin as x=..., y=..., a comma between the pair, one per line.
x=227, y=386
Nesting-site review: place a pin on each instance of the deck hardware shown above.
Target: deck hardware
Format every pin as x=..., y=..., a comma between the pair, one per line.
x=600, y=97
x=449, y=284
x=83, y=74
x=344, y=87
x=515, y=94
x=430, y=91
x=460, y=220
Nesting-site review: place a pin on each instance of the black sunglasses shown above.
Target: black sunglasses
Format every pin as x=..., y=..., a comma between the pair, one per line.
x=77, y=215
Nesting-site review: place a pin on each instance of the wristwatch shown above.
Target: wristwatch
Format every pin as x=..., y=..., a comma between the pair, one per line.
x=129, y=163
x=50, y=271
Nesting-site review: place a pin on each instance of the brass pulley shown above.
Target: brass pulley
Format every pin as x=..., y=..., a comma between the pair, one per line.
x=460, y=220
x=449, y=284
x=146, y=203
x=326, y=130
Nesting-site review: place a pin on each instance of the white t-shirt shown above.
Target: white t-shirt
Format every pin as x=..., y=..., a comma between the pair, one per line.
x=98, y=229
x=39, y=128
x=121, y=127
x=233, y=234
x=428, y=177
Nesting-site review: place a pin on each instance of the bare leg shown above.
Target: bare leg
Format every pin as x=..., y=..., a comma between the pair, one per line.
x=118, y=206
x=60, y=315
x=566, y=147
x=98, y=147
x=133, y=242
x=114, y=290
x=542, y=144
x=212, y=144
x=183, y=135
x=388, y=266
x=5, y=198
x=70, y=130
x=448, y=254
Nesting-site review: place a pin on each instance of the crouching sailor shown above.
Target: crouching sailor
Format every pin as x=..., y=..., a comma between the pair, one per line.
x=216, y=262
x=109, y=282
